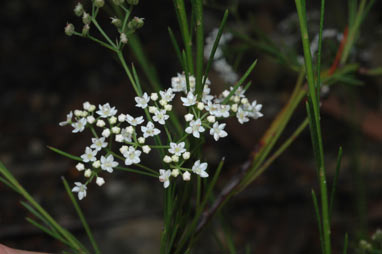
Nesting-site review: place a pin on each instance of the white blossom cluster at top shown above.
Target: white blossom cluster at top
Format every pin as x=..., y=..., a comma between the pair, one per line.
x=133, y=133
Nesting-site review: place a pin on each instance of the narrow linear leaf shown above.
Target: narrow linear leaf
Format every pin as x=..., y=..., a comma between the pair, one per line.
x=319, y=222
x=346, y=242
x=335, y=181
x=70, y=156
x=81, y=216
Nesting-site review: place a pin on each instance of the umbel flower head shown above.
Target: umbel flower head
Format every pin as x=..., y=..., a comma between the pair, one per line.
x=126, y=139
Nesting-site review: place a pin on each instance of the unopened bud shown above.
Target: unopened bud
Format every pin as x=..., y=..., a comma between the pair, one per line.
x=133, y=2
x=135, y=23
x=117, y=22
x=86, y=18
x=78, y=10
x=69, y=29
x=118, y=2
x=85, y=29
x=99, y=3
x=123, y=38
x=186, y=176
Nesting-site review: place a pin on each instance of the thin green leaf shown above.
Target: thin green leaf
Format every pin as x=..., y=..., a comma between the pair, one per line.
x=7, y=183
x=136, y=171
x=319, y=222
x=81, y=216
x=335, y=181
x=70, y=156
x=197, y=7
x=215, y=46
x=177, y=49
x=346, y=244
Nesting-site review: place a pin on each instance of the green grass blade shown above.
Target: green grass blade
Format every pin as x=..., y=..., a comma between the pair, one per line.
x=346, y=242
x=318, y=73
x=136, y=171
x=319, y=222
x=214, y=47
x=352, y=5
x=197, y=6
x=7, y=183
x=177, y=49
x=335, y=181
x=49, y=232
x=240, y=82
x=60, y=152
x=81, y=216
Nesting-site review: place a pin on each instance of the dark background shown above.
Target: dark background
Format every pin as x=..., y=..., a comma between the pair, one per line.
x=45, y=74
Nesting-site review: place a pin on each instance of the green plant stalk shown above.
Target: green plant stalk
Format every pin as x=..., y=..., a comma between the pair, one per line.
x=183, y=25
x=315, y=124
x=198, y=12
x=353, y=32
x=81, y=216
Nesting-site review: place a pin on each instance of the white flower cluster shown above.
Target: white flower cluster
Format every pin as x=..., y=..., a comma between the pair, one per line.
x=220, y=64
x=132, y=133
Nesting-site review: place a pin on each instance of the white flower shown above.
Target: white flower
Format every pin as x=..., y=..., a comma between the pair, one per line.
x=200, y=168
x=89, y=155
x=142, y=101
x=164, y=177
x=213, y=108
x=132, y=156
x=255, y=110
x=86, y=105
x=98, y=143
x=223, y=111
x=108, y=163
x=68, y=119
x=175, y=158
x=178, y=83
x=149, y=130
x=189, y=100
x=168, y=107
x=167, y=95
x=218, y=131
x=153, y=109
x=125, y=135
x=79, y=126
x=160, y=116
x=100, y=181
x=134, y=121
x=177, y=149
x=195, y=127
x=242, y=115
x=186, y=176
x=206, y=94
x=106, y=111
x=81, y=189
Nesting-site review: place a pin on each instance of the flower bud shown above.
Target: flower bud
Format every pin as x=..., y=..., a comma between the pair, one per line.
x=77, y=112
x=167, y=159
x=85, y=29
x=141, y=140
x=123, y=149
x=86, y=105
x=135, y=23
x=122, y=117
x=119, y=138
x=123, y=38
x=90, y=119
x=186, y=176
x=78, y=10
x=146, y=149
x=175, y=172
x=88, y=173
x=200, y=105
x=175, y=158
x=130, y=129
x=168, y=107
x=188, y=117
x=112, y=120
x=154, y=96
x=100, y=181
x=118, y=2
x=96, y=164
x=69, y=29
x=86, y=18
x=99, y=3
x=100, y=123
x=234, y=107
x=80, y=166
x=211, y=119
x=106, y=133
x=117, y=22
x=133, y=2
x=116, y=130
x=92, y=108
x=186, y=155
x=225, y=93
